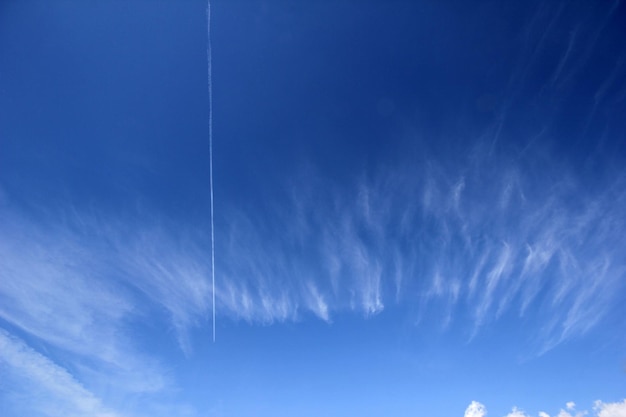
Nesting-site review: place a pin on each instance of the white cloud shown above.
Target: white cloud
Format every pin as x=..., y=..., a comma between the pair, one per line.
x=61, y=393
x=81, y=286
x=172, y=271
x=316, y=302
x=515, y=412
x=490, y=242
x=570, y=406
x=617, y=409
x=475, y=409
x=52, y=287
x=500, y=270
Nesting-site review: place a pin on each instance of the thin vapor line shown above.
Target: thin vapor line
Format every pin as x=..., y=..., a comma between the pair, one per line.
x=210, y=85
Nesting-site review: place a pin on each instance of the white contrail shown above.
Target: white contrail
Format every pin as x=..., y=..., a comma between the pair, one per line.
x=210, y=84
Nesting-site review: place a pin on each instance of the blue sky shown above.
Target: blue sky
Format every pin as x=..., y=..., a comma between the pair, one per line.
x=419, y=208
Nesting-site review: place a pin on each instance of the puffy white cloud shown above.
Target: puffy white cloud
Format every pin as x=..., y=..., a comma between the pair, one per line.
x=475, y=409
x=610, y=409
x=516, y=412
x=617, y=409
x=571, y=405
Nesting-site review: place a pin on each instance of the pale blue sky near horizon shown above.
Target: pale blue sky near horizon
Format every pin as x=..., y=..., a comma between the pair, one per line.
x=419, y=208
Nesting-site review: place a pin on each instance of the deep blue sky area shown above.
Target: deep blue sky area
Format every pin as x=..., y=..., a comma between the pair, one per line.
x=418, y=208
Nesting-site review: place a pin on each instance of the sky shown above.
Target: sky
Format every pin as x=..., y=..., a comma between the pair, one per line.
x=419, y=208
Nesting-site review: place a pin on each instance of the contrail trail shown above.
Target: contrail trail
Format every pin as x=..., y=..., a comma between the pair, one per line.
x=210, y=85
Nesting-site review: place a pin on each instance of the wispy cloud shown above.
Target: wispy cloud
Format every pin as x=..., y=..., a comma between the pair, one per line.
x=172, y=271
x=54, y=287
x=53, y=390
x=488, y=235
x=479, y=236
x=81, y=286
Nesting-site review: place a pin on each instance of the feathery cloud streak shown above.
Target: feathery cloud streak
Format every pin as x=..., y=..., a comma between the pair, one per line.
x=53, y=391
x=82, y=288
x=481, y=235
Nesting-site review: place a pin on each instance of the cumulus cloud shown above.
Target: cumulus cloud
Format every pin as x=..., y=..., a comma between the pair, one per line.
x=515, y=412
x=475, y=409
x=571, y=407
x=601, y=409
x=617, y=409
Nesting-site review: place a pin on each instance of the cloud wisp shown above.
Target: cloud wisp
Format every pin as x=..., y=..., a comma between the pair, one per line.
x=81, y=287
x=468, y=241
x=53, y=391
x=483, y=236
